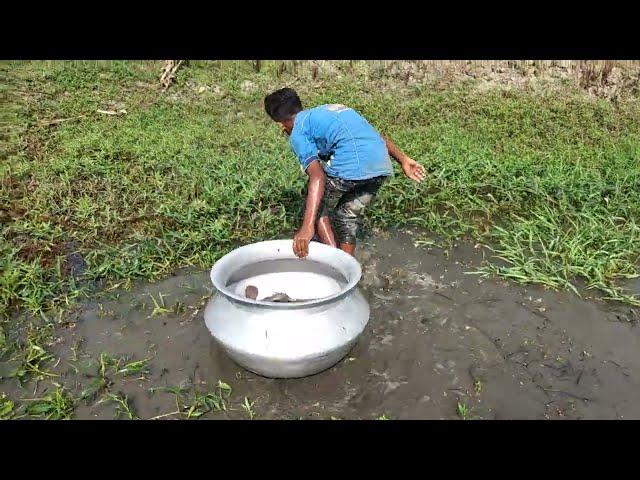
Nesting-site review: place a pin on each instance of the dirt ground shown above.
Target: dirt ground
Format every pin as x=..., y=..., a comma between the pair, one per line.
x=441, y=344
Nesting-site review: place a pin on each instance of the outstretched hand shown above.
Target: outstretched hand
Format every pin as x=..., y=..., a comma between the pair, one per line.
x=413, y=170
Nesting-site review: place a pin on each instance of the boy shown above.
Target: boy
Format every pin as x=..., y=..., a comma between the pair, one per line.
x=346, y=160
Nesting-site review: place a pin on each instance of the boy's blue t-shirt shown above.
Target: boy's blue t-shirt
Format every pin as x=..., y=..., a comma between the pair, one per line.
x=349, y=146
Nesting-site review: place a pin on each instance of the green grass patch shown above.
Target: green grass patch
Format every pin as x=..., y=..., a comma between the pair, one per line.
x=551, y=181
x=57, y=405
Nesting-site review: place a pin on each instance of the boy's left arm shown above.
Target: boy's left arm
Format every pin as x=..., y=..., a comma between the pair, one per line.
x=410, y=167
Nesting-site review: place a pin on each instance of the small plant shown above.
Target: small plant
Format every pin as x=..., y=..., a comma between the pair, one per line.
x=464, y=411
x=58, y=405
x=123, y=408
x=6, y=407
x=33, y=355
x=118, y=366
x=383, y=417
x=203, y=403
x=159, y=306
x=478, y=386
x=179, y=307
x=200, y=403
x=223, y=389
x=248, y=407
x=109, y=367
x=135, y=367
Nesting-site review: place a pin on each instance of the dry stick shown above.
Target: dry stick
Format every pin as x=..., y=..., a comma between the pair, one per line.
x=568, y=394
x=443, y=295
x=164, y=415
x=59, y=120
x=112, y=112
x=168, y=73
x=165, y=71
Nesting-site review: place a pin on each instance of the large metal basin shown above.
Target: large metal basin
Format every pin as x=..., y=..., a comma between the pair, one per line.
x=287, y=340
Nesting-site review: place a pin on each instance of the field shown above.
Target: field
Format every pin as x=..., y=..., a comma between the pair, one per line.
x=549, y=181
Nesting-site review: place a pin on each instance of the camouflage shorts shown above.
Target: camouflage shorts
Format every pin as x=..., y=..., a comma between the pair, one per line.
x=344, y=202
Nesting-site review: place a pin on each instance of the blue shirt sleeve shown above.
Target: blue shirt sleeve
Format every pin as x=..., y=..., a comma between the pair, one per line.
x=305, y=149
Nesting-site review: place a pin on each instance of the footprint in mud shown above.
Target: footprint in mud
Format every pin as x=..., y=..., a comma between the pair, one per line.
x=74, y=261
x=421, y=280
x=389, y=384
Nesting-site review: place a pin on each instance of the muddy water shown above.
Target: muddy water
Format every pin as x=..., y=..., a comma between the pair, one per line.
x=437, y=337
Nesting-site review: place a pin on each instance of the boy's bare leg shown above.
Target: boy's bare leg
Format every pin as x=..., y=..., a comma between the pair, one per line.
x=325, y=231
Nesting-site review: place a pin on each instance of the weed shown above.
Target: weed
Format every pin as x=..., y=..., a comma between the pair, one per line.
x=107, y=369
x=478, y=386
x=158, y=306
x=464, y=411
x=6, y=407
x=31, y=357
x=123, y=407
x=248, y=407
x=57, y=405
x=194, y=405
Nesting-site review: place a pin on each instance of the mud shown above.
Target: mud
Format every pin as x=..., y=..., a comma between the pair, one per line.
x=441, y=344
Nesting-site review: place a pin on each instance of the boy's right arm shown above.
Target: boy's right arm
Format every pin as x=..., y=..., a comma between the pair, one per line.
x=315, y=193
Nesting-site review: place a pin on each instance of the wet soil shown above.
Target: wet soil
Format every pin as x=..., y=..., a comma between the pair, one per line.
x=441, y=344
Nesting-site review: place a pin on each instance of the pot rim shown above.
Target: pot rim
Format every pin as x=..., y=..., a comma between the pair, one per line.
x=319, y=252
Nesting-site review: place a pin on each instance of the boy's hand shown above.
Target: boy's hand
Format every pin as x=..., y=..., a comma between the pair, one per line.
x=413, y=170
x=301, y=241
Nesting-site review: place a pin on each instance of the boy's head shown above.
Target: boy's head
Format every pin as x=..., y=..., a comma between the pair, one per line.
x=282, y=106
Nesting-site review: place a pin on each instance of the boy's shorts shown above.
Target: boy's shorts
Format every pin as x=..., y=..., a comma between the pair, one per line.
x=344, y=202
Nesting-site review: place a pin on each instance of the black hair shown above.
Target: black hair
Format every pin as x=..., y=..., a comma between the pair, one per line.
x=282, y=104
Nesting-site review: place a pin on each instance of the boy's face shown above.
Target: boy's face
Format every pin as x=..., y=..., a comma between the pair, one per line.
x=287, y=126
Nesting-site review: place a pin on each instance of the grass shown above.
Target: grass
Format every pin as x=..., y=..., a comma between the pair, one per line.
x=123, y=406
x=57, y=405
x=551, y=182
x=478, y=386
x=7, y=407
x=194, y=404
x=159, y=307
x=464, y=411
x=247, y=406
x=29, y=358
x=105, y=371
